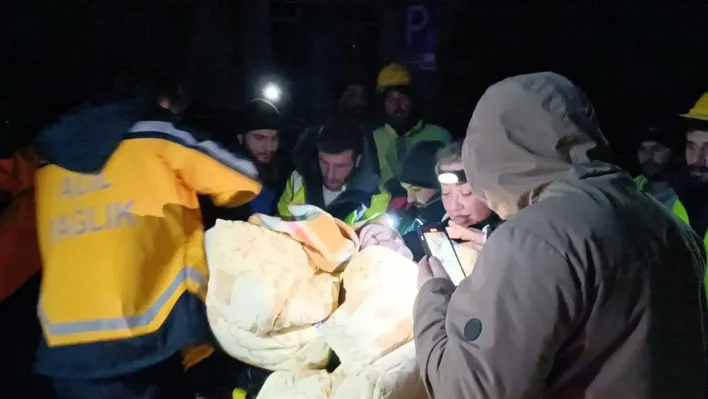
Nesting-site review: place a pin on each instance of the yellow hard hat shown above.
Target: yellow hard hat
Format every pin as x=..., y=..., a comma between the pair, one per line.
x=700, y=110
x=393, y=75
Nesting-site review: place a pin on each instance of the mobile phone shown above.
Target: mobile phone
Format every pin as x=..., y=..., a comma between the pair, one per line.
x=437, y=243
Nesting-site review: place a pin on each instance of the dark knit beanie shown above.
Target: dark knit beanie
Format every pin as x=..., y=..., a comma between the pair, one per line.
x=259, y=114
x=667, y=132
x=418, y=167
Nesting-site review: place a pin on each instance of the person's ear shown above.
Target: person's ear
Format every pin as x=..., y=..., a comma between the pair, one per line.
x=240, y=138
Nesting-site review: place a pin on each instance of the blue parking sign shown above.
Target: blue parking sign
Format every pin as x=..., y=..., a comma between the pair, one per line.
x=421, y=31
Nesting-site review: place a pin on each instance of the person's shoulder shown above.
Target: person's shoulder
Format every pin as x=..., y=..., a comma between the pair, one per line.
x=381, y=129
x=612, y=219
x=436, y=132
x=436, y=128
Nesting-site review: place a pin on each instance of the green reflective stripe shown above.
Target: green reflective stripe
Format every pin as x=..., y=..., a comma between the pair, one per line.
x=680, y=211
x=641, y=181
x=352, y=218
x=122, y=323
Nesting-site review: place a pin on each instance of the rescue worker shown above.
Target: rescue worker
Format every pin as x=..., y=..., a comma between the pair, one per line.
x=424, y=202
x=404, y=124
x=338, y=190
x=655, y=154
x=121, y=240
x=354, y=104
x=589, y=288
x=355, y=99
x=260, y=138
x=692, y=187
x=254, y=131
x=19, y=275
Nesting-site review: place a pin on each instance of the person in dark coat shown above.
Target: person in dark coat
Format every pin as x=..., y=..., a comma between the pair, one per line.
x=253, y=130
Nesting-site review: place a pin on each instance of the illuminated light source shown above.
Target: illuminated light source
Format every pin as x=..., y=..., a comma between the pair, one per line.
x=390, y=220
x=271, y=92
x=455, y=177
x=448, y=178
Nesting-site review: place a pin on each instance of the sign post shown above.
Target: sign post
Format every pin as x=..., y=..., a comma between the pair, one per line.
x=421, y=31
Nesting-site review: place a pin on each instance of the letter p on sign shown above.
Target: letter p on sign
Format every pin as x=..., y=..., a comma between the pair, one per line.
x=417, y=17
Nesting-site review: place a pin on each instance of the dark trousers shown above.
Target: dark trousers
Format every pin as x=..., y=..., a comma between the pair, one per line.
x=19, y=335
x=165, y=380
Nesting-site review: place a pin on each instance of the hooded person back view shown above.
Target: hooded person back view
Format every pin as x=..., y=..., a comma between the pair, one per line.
x=590, y=289
x=124, y=272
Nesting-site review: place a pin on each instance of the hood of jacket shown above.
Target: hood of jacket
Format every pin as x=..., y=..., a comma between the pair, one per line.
x=526, y=132
x=84, y=140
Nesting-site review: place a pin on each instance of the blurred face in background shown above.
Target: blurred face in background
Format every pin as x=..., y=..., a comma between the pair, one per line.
x=262, y=144
x=419, y=196
x=697, y=155
x=398, y=107
x=176, y=104
x=354, y=102
x=337, y=168
x=461, y=205
x=653, y=158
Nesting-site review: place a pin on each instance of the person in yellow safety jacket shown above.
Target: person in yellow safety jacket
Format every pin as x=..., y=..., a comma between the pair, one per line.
x=658, y=148
x=121, y=239
x=404, y=126
x=339, y=188
x=691, y=184
x=692, y=203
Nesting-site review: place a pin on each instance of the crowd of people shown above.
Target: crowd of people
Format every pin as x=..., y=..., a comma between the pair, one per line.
x=590, y=284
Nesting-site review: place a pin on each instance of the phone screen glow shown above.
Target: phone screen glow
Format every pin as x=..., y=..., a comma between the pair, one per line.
x=441, y=247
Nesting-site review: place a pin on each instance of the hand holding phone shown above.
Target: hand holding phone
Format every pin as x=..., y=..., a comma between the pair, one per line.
x=437, y=243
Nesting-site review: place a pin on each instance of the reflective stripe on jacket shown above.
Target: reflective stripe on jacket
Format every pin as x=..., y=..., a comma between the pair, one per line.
x=121, y=247
x=295, y=194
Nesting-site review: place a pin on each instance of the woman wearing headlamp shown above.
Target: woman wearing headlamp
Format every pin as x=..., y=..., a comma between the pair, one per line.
x=468, y=220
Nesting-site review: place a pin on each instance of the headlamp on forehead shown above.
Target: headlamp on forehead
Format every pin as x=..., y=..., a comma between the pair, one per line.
x=454, y=177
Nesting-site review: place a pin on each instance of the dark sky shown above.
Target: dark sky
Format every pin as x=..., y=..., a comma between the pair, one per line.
x=635, y=61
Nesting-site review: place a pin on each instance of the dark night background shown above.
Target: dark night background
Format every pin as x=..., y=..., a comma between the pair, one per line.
x=636, y=60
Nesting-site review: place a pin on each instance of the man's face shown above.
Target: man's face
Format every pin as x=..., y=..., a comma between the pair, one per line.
x=337, y=168
x=419, y=196
x=398, y=107
x=460, y=204
x=262, y=144
x=653, y=158
x=697, y=155
x=354, y=101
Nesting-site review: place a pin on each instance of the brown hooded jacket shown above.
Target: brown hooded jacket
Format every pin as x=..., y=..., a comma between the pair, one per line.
x=590, y=289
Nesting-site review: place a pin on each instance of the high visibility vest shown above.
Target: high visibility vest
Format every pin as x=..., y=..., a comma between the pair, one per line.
x=295, y=194
x=119, y=248
x=679, y=210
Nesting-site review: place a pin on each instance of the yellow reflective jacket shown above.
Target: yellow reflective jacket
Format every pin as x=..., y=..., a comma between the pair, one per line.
x=679, y=210
x=121, y=246
x=295, y=193
x=393, y=147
